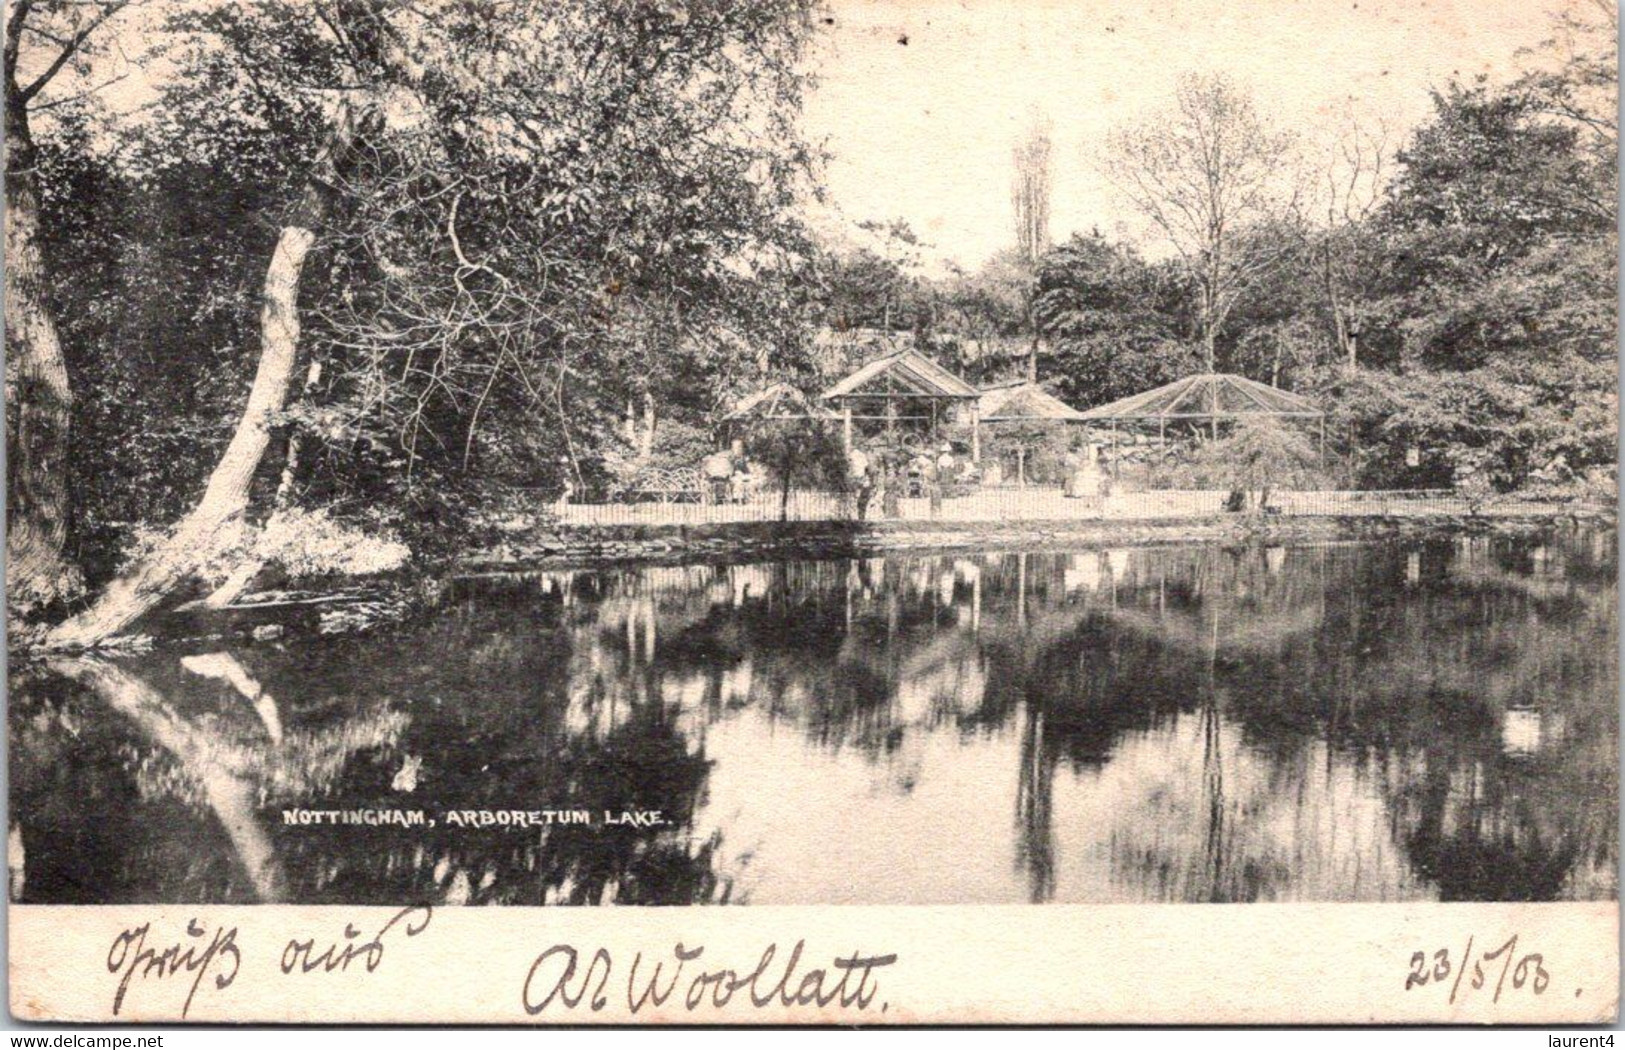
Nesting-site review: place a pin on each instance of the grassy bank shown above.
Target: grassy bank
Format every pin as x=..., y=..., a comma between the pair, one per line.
x=612, y=544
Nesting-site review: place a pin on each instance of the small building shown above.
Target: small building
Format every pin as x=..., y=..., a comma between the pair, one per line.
x=904, y=390
x=1022, y=413
x=779, y=401
x=1203, y=401
x=1023, y=401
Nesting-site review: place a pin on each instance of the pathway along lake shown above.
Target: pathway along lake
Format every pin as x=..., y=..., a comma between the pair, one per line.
x=1430, y=719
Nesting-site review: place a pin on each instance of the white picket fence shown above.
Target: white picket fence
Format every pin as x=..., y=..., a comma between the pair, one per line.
x=1033, y=503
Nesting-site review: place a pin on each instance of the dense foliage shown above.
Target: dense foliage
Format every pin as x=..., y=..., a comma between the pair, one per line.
x=567, y=224
x=1457, y=322
x=569, y=233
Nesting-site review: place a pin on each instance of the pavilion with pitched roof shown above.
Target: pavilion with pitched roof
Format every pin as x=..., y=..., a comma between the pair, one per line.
x=904, y=387
x=1023, y=401
x=1206, y=399
x=779, y=401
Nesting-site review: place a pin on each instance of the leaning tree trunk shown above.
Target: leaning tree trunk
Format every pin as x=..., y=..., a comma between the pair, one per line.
x=38, y=401
x=238, y=580
x=225, y=499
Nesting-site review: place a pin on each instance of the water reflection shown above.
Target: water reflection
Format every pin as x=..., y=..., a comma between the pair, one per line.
x=1355, y=722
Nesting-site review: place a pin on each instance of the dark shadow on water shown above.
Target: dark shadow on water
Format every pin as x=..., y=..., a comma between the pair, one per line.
x=1376, y=721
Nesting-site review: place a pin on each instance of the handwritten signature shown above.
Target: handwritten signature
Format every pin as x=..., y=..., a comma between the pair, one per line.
x=553, y=979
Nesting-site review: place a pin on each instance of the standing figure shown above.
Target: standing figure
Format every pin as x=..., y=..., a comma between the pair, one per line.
x=890, y=491
x=947, y=465
x=861, y=477
x=569, y=488
x=917, y=466
x=1087, y=481
x=932, y=477
x=717, y=468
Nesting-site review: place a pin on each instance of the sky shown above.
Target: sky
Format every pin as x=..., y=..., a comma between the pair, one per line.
x=920, y=101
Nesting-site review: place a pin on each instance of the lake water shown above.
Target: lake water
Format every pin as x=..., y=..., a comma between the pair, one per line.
x=1386, y=721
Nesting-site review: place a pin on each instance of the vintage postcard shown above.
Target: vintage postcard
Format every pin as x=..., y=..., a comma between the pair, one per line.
x=865, y=512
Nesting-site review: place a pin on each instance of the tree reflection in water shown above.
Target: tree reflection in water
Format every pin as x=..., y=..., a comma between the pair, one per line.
x=1355, y=722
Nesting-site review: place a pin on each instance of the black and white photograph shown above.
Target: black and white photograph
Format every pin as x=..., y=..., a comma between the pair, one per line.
x=725, y=454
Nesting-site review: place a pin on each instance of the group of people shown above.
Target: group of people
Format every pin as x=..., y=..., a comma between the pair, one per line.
x=928, y=473
x=934, y=472
x=730, y=477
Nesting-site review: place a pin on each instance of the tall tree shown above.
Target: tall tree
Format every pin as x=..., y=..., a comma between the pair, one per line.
x=1030, y=202
x=494, y=192
x=1573, y=75
x=1030, y=189
x=42, y=39
x=1502, y=290
x=1110, y=321
x=201, y=534
x=1204, y=174
x=1353, y=175
x=985, y=316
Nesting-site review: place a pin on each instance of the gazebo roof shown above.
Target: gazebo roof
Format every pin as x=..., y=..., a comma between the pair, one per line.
x=911, y=371
x=779, y=401
x=1023, y=400
x=1207, y=396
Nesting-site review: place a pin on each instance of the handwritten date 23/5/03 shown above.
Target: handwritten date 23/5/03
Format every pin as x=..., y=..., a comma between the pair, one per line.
x=1505, y=966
